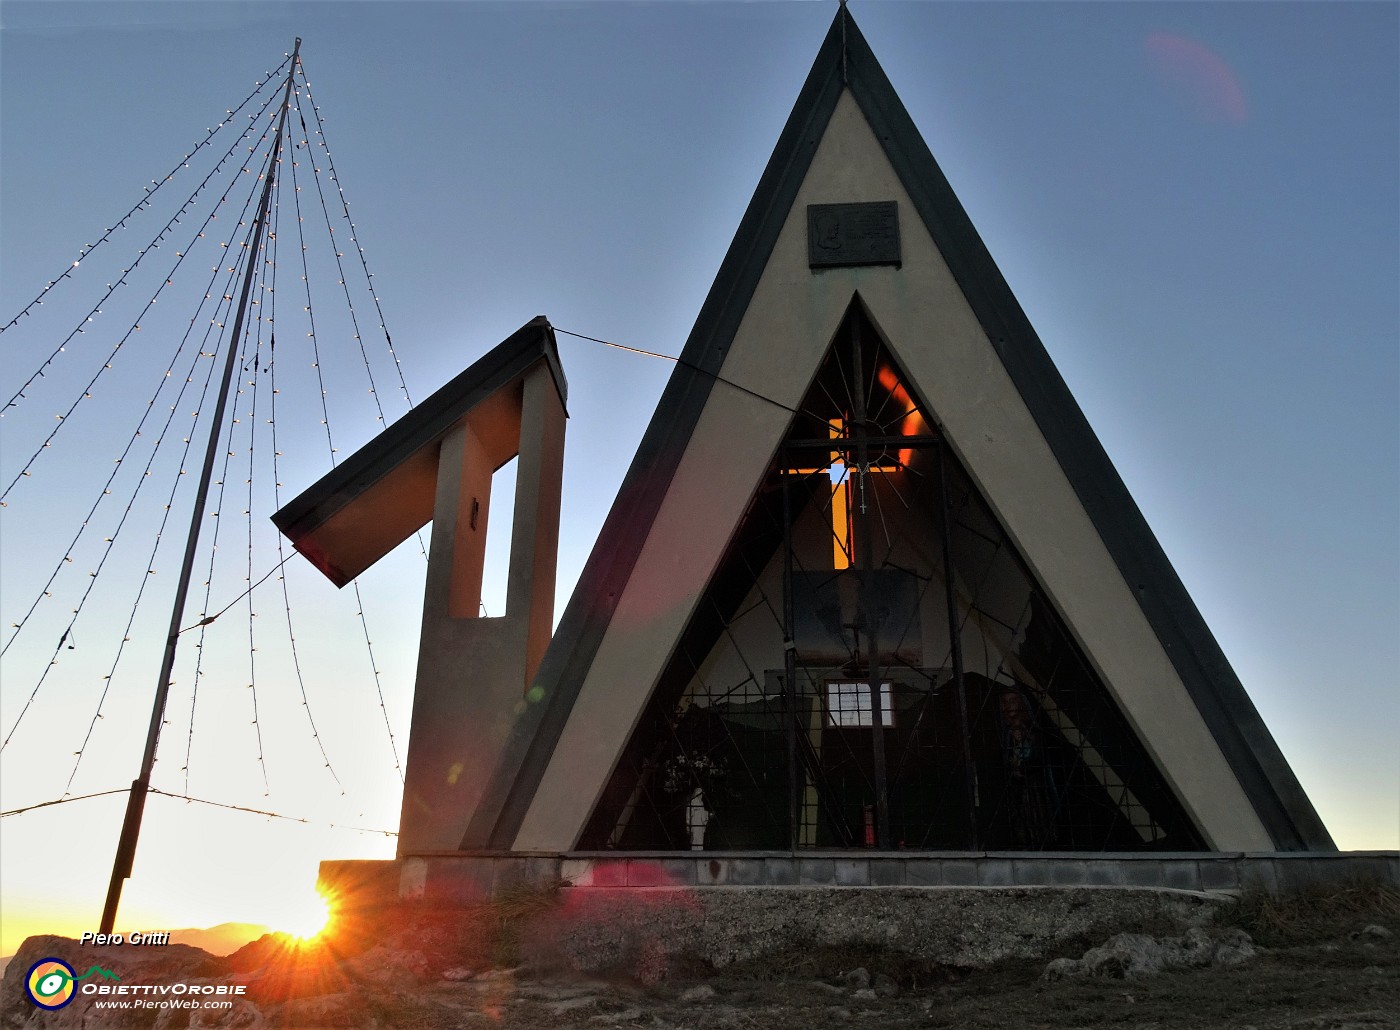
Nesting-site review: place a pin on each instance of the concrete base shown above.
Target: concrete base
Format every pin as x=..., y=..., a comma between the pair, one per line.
x=606, y=929
x=645, y=915
x=468, y=877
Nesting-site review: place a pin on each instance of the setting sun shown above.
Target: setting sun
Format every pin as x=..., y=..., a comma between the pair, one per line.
x=307, y=918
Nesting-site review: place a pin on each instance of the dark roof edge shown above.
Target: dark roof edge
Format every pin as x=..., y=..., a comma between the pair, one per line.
x=590, y=609
x=532, y=342
x=1249, y=748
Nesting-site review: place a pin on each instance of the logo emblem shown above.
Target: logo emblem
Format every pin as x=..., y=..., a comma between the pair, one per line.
x=50, y=983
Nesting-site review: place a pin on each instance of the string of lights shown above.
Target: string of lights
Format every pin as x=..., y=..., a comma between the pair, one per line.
x=93, y=577
x=120, y=463
x=252, y=384
x=111, y=540
x=223, y=305
x=330, y=441
x=354, y=234
x=206, y=620
x=256, y=403
x=360, y=253
x=200, y=801
x=149, y=565
x=310, y=311
x=135, y=327
x=272, y=815
x=184, y=162
x=62, y=801
x=217, y=515
x=277, y=503
x=345, y=289
x=196, y=679
x=378, y=683
x=96, y=309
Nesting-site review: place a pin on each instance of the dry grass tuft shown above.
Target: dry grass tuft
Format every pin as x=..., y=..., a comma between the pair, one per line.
x=511, y=911
x=1312, y=914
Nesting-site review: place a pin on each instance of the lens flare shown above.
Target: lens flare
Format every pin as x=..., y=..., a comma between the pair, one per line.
x=305, y=920
x=1197, y=75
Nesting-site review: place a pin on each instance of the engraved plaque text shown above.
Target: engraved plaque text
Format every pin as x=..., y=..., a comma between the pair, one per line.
x=843, y=235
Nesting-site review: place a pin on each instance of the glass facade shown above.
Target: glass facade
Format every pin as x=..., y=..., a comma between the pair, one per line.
x=868, y=555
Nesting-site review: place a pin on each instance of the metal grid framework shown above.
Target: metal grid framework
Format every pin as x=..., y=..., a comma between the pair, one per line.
x=868, y=556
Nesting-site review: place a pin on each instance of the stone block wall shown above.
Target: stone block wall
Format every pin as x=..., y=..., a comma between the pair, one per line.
x=465, y=877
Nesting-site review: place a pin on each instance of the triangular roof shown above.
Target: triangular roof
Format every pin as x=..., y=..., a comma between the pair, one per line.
x=1187, y=677
x=383, y=493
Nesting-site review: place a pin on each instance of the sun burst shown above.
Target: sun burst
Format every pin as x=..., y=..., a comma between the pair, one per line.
x=306, y=919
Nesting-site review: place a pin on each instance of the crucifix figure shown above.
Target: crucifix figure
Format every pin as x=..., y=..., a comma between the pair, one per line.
x=847, y=493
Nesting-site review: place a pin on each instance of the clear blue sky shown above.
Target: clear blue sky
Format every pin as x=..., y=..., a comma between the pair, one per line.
x=1196, y=204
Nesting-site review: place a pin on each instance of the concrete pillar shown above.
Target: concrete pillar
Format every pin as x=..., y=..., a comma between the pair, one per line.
x=534, y=549
x=473, y=672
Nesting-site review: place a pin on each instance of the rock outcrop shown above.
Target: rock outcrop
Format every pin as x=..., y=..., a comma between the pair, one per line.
x=1137, y=954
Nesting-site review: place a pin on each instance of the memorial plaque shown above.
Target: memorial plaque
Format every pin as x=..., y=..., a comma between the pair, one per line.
x=844, y=235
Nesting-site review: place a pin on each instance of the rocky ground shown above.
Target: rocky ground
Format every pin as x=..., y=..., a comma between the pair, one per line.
x=1317, y=961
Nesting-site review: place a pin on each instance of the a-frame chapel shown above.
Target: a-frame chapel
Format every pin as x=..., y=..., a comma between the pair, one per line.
x=871, y=582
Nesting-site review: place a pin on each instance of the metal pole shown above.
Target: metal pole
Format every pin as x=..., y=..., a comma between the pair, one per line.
x=136, y=803
x=790, y=670
x=863, y=544
x=955, y=646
